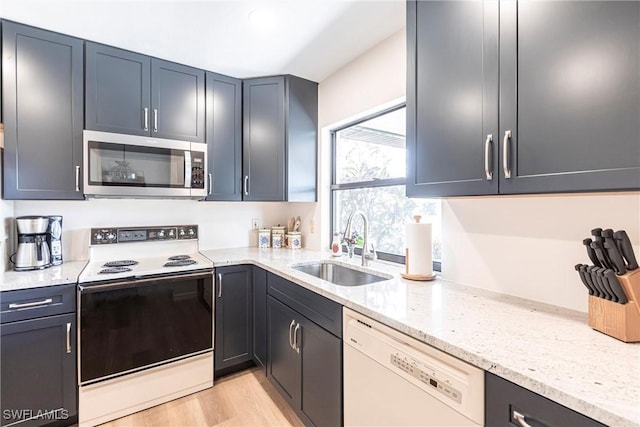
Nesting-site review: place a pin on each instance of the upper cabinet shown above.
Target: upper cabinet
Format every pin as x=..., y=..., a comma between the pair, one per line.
x=42, y=88
x=562, y=80
x=134, y=94
x=224, y=137
x=280, y=121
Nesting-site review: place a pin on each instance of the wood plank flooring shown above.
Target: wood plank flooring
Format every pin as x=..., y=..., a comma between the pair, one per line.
x=245, y=398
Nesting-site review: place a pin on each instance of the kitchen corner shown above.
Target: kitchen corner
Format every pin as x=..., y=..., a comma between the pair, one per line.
x=547, y=349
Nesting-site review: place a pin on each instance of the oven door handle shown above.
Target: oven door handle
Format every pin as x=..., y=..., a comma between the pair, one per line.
x=132, y=282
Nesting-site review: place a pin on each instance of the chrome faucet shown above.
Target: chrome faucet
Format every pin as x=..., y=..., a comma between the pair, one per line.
x=367, y=252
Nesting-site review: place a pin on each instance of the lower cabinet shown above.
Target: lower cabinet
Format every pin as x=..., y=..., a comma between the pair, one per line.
x=260, y=318
x=509, y=405
x=233, y=318
x=304, y=360
x=38, y=353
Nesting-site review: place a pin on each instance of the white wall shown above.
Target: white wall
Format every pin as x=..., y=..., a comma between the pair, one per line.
x=222, y=224
x=524, y=246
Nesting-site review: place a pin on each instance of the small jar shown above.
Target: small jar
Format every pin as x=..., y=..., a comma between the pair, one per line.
x=295, y=240
x=336, y=248
x=277, y=237
x=264, y=238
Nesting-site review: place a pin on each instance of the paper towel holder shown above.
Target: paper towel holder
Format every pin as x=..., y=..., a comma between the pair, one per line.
x=406, y=275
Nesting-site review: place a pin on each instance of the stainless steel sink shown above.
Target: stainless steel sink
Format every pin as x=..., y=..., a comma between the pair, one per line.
x=340, y=274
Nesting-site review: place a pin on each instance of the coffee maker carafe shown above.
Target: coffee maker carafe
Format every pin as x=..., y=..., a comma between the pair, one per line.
x=33, y=251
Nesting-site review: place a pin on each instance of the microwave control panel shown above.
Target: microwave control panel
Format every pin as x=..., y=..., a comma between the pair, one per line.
x=197, y=170
x=113, y=235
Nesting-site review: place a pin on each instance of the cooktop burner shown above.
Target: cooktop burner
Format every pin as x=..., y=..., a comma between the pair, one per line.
x=179, y=262
x=120, y=263
x=114, y=270
x=179, y=257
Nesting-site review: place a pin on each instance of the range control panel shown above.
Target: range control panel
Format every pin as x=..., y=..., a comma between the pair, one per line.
x=113, y=235
x=427, y=375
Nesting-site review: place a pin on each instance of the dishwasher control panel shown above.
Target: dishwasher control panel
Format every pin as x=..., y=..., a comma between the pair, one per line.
x=427, y=375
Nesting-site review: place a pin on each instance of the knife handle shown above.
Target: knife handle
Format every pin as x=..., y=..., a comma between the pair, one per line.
x=605, y=284
x=592, y=273
x=626, y=249
x=596, y=232
x=591, y=252
x=612, y=279
x=600, y=253
x=615, y=257
x=581, y=269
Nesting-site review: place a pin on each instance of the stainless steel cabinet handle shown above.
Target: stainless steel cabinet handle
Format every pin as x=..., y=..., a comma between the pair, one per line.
x=488, y=169
x=246, y=185
x=210, y=183
x=505, y=154
x=296, y=347
x=146, y=118
x=520, y=419
x=77, y=178
x=31, y=304
x=219, y=285
x=68, y=337
x=293, y=322
x=155, y=120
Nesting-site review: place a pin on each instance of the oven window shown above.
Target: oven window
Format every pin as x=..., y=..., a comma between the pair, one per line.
x=134, y=326
x=135, y=166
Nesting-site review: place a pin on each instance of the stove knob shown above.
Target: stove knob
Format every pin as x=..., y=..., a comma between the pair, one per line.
x=171, y=233
x=99, y=237
x=191, y=232
x=111, y=236
x=182, y=233
x=161, y=234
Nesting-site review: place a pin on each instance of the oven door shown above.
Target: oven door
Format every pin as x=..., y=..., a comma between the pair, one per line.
x=133, y=325
x=127, y=165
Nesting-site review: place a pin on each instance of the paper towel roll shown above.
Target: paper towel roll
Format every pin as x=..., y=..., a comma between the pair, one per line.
x=419, y=248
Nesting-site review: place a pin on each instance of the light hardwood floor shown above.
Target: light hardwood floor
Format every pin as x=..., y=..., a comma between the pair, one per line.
x=245, y=398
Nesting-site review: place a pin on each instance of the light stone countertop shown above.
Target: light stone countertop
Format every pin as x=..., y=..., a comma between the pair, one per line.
x=546, y=349
x=63, y=274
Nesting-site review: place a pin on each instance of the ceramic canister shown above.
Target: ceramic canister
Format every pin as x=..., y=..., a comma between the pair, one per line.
x=294, y=239
x=264, y=238
x=277, y=237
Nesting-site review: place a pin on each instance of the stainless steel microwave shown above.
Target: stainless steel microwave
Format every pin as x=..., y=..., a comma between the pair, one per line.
x=118, y=165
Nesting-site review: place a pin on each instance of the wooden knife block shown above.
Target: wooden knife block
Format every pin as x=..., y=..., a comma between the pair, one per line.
x=621, y=321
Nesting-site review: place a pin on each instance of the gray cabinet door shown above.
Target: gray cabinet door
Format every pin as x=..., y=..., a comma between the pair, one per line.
x=233, y=313
x=260, y=318
x=264, y=139
x=224, y=137
x=283, y=362
x=452, y=98
x=177, y=101
x=38, y=370
x=42, y=87
x=117, y=90
x=321, y=354
x=570, y=95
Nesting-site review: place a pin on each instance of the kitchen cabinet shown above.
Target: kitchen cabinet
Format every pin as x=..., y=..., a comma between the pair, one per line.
x=508, y=405
x=233, y=318
x=130, y=93
x=224, y=137
x=260, y=318
x=305, y=359
x=42, y=88
x=562, y=79
x=280, y=139
x=38, y=351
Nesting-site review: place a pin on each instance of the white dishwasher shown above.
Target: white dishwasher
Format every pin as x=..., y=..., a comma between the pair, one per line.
x=391, y=379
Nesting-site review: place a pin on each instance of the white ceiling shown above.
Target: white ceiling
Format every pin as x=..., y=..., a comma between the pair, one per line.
x=310, y=38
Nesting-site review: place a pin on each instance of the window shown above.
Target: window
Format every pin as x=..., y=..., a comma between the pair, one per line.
x=369, y=169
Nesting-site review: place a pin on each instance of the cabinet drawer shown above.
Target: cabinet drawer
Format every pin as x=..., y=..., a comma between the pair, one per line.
x=39, y=302
x=317, y=308
x=505, y=400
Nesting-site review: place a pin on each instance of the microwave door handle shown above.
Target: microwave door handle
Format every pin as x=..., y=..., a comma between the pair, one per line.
x=187, y=169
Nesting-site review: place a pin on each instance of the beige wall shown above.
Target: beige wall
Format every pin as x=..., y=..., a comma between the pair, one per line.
x=524, y=246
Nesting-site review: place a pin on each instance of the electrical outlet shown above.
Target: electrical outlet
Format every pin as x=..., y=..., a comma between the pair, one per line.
x=254, y=224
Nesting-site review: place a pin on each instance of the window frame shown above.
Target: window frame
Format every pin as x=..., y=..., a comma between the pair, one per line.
x=389, y=182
